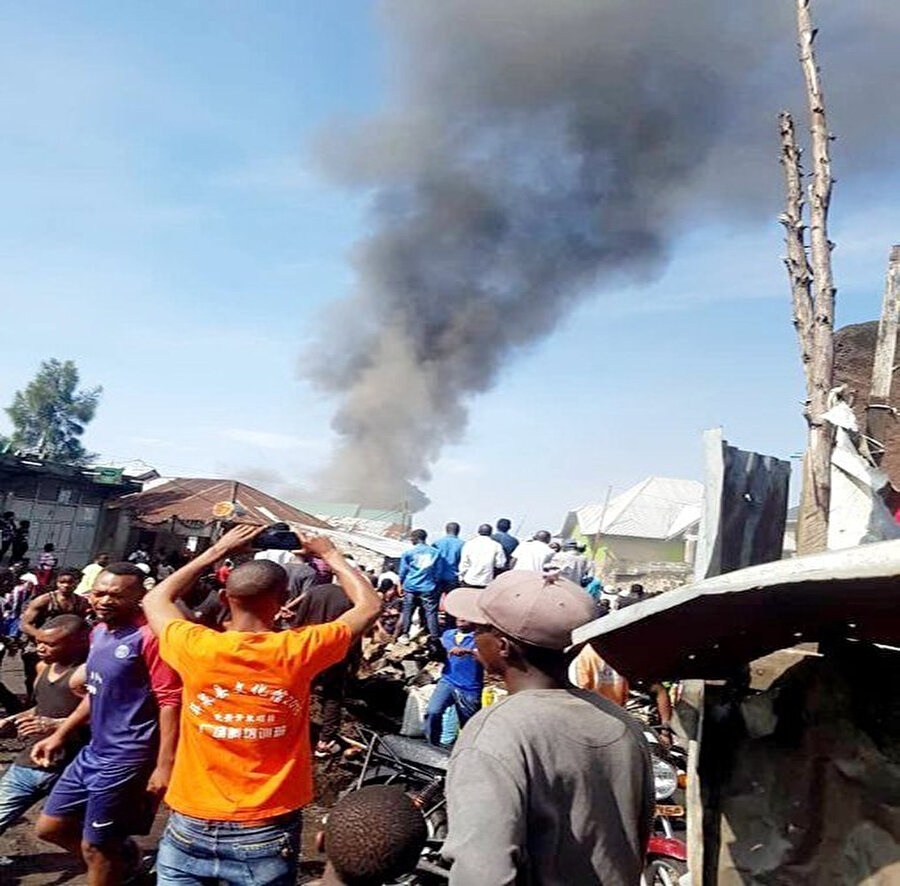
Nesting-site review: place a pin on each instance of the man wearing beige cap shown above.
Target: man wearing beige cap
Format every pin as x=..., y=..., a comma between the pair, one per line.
x=553, y=785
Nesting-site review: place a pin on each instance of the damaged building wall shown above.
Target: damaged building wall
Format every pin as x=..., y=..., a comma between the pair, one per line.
x=854, y=353
x=802, y=782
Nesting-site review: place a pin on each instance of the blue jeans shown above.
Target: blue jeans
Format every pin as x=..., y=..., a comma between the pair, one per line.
x=428, y=601
x=467, y=705
x=20, y=788
x=195, y=851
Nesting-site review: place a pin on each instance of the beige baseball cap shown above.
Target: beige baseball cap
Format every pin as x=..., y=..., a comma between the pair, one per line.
x=542, y=610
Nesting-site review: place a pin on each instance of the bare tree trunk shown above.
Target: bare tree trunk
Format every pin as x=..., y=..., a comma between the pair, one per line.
x=796, y=262
x=879, y=413
x=812, y=527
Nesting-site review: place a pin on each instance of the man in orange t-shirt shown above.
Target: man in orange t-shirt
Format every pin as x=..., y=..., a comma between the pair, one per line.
x=243, y=767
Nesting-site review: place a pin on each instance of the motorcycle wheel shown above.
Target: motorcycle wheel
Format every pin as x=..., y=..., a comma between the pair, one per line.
x=664, y=872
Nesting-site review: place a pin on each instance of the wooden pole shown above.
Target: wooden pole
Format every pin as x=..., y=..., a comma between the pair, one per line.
x=879, y=412
x=812, y=523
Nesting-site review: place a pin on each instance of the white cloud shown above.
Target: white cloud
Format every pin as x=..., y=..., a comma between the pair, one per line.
x=269, y=439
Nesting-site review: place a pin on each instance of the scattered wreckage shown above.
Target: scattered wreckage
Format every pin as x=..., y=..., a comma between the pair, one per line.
x=790, y=707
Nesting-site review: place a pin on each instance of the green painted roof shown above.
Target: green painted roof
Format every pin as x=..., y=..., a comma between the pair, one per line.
x=345, y=509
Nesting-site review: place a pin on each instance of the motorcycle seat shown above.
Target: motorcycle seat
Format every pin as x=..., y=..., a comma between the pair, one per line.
x=417, y=751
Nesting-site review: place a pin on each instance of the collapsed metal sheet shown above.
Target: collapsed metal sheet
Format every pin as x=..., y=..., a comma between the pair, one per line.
x=744, y=508
x=710, y=629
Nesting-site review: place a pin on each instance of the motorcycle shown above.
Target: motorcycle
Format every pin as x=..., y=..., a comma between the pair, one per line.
x=666, y=852
x=421, y=770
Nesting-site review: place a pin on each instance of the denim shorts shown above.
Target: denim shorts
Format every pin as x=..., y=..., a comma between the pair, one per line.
x=195, y=851
x=20, y=788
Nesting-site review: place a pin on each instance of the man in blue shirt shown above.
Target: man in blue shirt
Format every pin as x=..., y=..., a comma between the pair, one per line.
x=450, y=548
x=420, y=571
x=506, y=541
x=460, y=684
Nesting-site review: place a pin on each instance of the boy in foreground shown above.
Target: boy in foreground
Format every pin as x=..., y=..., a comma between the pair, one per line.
x=62, y=646
x=372, y=836
x=461, y=683
x=243, y=769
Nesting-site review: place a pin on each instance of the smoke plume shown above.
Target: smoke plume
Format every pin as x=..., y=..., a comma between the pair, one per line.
x=532, y=152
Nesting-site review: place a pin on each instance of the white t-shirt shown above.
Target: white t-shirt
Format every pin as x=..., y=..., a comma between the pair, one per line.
x=88, y=577
x=481, y=557
x=283, y=558
x=571, y=565
x=532, y=555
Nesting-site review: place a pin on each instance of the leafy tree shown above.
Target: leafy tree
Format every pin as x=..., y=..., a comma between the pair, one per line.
x=49, y=415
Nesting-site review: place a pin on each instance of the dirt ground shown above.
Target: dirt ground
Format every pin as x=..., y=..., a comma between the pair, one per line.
x=35, y=863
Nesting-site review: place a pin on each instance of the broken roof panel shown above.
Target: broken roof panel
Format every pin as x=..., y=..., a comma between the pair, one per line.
x=710, y=629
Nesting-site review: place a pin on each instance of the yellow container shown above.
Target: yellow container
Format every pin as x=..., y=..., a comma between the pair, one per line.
x=491, y=695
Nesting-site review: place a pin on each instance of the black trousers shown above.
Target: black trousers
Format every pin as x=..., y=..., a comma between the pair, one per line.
x=29, y=663
x=332, y=685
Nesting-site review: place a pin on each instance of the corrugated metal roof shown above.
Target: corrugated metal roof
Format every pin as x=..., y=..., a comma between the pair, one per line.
x=710, y=629
x=108, y=477
x=348, y=517
x=348, y=510
x=387, y=547
x=658, y=507
x=191, y=499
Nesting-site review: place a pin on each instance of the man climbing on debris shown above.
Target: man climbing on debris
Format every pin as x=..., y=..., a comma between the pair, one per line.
x=461, y=682
x=554, y=786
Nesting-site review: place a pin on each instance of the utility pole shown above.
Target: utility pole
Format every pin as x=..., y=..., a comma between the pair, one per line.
x=812, y=287
x=879, y=412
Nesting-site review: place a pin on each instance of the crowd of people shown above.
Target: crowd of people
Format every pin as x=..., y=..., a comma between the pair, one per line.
x=193, y=684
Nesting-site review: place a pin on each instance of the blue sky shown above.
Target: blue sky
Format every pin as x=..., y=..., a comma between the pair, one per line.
x=164, y=226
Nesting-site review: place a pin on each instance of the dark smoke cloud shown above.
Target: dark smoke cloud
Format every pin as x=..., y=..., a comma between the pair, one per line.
x=534, y=151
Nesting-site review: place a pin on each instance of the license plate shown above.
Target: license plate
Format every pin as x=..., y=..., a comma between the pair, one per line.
x=670, y=811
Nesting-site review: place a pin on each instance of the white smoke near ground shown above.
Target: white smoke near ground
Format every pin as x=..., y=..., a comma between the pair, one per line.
x=534, y=152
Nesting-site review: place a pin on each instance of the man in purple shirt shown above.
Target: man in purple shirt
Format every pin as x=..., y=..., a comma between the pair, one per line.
x=110, y=790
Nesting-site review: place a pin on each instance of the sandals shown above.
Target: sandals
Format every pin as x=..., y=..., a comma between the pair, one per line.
x=327, y=749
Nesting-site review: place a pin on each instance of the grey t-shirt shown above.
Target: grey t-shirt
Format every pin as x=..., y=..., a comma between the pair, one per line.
x=551, y=787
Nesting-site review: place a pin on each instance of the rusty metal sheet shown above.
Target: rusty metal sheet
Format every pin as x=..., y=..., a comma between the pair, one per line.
x=192, y=499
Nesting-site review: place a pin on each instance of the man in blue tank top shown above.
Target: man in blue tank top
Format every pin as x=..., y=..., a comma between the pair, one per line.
x=110, y=790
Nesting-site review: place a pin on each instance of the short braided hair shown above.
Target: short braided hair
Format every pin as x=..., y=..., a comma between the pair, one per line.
x=373, y=835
